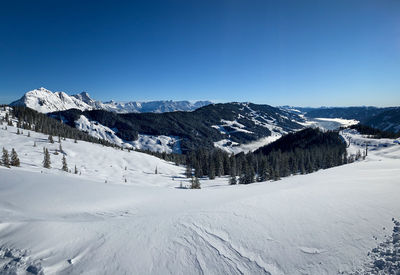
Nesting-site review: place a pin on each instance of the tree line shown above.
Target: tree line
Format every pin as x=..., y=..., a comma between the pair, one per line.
x=302, y=152
x=373, y=132
x=32, y=120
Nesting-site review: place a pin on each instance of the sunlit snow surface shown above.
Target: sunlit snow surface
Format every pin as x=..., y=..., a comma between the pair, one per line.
x=61, y=223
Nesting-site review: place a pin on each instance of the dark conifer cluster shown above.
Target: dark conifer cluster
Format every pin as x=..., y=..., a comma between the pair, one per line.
x=302, y=152
x=373, y=132
x=7, y=160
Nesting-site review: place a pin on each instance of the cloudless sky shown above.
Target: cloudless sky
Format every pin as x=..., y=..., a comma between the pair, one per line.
x=301, y=53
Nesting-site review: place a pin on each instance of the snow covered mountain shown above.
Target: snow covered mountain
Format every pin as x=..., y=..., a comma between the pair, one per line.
x=45, y=101
x=233, y=127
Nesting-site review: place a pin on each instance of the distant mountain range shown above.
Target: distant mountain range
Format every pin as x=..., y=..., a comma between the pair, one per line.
x=45, y=101
x=182, y=126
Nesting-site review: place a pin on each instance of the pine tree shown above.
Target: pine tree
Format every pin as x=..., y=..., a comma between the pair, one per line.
x=75, y=141
x=264, y=171
x=64, y=164
x=211, y=172
x=232, y=180
x=14, y=158
x=51, y=139
x=46, y=159
x=5, y=158
x=18, y=132
x=188, y=171
x=195, y=183
x=59, y=139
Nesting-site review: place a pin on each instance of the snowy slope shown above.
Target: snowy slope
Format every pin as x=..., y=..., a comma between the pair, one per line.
x=330, y=123
x=45, y=101
x=93, y=161
x=161, y=143
x=60, y=223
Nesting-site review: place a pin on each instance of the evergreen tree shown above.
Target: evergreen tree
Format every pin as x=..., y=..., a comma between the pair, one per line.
x=264, y=170
x=5, y=158
x=64, y=164
x=51, y=139
x=195, y=184
x=233, y=166
x=188, y=171
x=46, y=159
x=18, y=132
x=232, y=180
x=211, y=172
x=14, y=158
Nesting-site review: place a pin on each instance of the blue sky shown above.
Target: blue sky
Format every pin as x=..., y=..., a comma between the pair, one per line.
x=302, y=53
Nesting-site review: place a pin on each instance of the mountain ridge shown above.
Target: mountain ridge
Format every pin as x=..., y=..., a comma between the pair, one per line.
x=223, y=125
x=46, y=101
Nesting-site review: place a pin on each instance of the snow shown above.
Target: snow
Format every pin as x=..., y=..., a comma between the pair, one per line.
x=45, y=101
x=270, y=123
x=235, y=148
x=98, y=130
x=93, y=161
x=329, y=123
x=357, y=142
x=61, y=223
x=168, y=144
x=161, y=143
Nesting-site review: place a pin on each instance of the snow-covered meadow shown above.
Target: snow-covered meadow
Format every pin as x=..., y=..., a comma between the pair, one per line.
x=94, y=222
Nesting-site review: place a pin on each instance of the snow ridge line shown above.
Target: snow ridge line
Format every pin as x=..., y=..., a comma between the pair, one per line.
x=235, y=259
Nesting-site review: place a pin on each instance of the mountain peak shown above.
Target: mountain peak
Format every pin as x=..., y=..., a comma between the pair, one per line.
x=45, y=101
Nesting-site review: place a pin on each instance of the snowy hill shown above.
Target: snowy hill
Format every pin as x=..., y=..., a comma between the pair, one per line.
x=45, y=101
x=94, y=222
x=233, y=127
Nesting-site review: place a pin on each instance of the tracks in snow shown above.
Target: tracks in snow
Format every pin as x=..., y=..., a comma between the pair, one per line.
x=210, y=250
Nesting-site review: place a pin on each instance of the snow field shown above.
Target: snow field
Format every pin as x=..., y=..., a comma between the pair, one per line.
x=60, y=223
